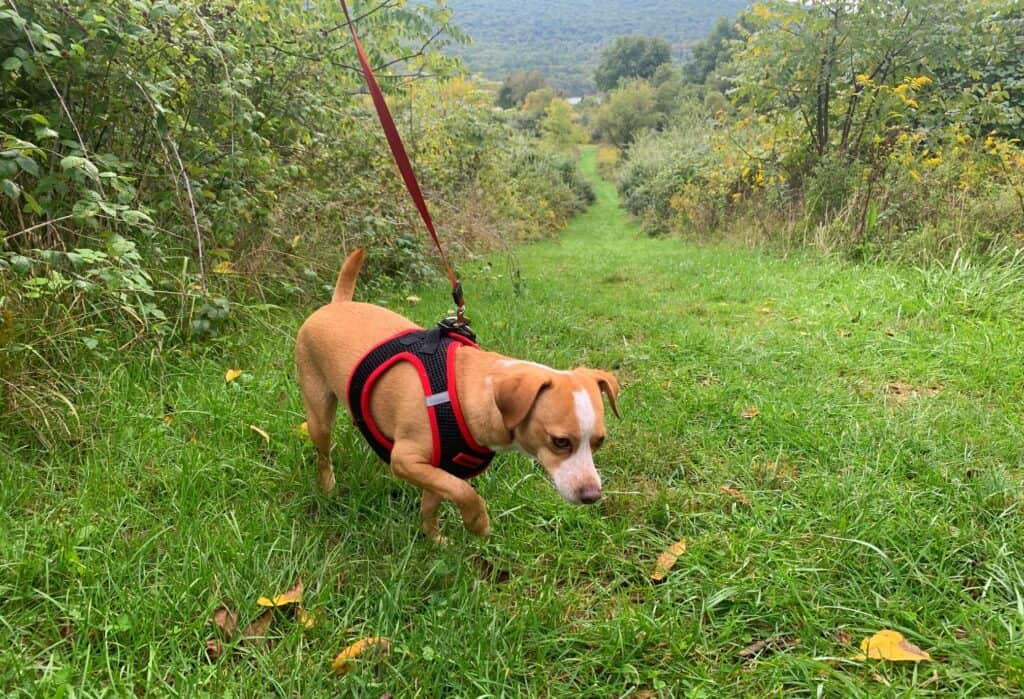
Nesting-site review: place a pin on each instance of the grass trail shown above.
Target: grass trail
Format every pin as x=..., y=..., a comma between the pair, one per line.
x=878, y=486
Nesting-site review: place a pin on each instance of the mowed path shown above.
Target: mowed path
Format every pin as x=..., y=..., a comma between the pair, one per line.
x=838, y=445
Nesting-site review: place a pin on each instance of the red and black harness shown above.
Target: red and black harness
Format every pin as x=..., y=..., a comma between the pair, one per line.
x=432, y=354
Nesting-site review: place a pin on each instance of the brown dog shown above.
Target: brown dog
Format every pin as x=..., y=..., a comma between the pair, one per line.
x=556, y=417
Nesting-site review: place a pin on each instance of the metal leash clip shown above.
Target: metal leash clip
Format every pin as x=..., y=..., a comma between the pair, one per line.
x=459, y=323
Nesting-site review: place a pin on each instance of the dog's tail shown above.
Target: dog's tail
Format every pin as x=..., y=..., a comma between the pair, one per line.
x=347, y=276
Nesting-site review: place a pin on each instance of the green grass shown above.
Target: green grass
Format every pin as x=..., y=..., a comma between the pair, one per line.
x=867, y=509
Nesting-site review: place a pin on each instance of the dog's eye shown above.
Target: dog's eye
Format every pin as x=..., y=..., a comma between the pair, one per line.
x=598, y=442
x=561, y=443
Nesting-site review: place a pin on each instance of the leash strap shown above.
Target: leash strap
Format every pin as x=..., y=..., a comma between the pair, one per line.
x=402, y=160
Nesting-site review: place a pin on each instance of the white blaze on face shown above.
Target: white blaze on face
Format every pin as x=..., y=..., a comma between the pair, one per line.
x=578, y=471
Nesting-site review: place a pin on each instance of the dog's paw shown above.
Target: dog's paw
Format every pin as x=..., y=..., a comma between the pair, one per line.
x=327, y=479
x=480, y=525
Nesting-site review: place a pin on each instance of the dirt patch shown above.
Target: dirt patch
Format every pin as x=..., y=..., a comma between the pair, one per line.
x=901, y=391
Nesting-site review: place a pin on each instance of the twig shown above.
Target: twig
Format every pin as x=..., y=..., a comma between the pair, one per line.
x=188, y=190
x=24, y=231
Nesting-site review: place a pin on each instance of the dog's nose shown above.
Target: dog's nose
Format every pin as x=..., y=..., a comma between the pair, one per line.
x=589, y=494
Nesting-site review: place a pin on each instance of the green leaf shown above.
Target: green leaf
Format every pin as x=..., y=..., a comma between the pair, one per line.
x=28, y=165
x=32, y=203
x=11, y=189
x=12, y=63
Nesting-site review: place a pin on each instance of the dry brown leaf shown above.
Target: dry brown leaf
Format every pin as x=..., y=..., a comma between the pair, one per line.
x=232, y=374
x=749, y=413
x=773, y=644
x=261, y=432
x=293, y=596
x=343, y=662
x=668, y=559
x=843, y=636
x=260, y=626
x=891, y=645
x=736, y=494
x=214, y=649
x=643, y=694
x=226, y=620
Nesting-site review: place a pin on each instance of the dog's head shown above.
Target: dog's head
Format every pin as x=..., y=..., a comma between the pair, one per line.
x=557, y=417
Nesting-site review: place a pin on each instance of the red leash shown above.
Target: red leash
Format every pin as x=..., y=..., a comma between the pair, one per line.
x=404, y=166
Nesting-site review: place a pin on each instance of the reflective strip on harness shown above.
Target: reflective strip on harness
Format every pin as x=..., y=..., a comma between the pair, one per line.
x=438, y=399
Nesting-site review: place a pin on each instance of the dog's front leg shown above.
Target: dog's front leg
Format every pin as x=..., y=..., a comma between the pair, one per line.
x=438, y=485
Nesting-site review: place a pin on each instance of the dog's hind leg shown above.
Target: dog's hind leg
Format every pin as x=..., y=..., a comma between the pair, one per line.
x=431, y=523
x=321, y=407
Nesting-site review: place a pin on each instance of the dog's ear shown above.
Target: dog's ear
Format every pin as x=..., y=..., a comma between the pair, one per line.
x=608, y=385
x=515, y=392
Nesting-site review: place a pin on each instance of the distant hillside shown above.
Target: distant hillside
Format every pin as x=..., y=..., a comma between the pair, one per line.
x=563, y=38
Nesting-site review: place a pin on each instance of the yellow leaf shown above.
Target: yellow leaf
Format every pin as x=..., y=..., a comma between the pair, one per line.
x=891, y=645
x=293, y=596
x=342, y=663
x=749, y=413
x=305, y=618
x=261, y=432
x=224, y=267
x=302, y=429
x=668, y=559
x=413, y=299
x=232, y=374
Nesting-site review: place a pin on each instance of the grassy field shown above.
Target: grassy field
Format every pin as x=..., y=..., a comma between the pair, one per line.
x=877, y=486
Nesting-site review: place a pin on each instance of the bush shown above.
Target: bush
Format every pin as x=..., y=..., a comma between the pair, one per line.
x=202, y=155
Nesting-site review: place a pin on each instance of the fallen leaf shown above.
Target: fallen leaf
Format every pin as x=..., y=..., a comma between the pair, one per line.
x=305, y=618
x=260, y=626
x=214, y=649
x=891, y=645
x=231, y=375
x=736, y=494
x=643, y=694
x=302, y=429
x=668, y=559
x=224, y=267
x=753, y=649
x=843, y=636
x=168, y=419
x=749, y=413
x=765, y=309
x=293, y=596
x=261, y=432
x=773, y=644
x=342, y=663
x=226, y=620
x=413, y=299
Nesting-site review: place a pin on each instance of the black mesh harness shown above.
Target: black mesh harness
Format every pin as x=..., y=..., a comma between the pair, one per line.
x=432, y=354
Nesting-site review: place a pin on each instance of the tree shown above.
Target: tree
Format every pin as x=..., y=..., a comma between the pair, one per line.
x=629, y=109
x=560, y=125
x=630, y=57
x=517, y=85
x=532, y=111
x=715, y=50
